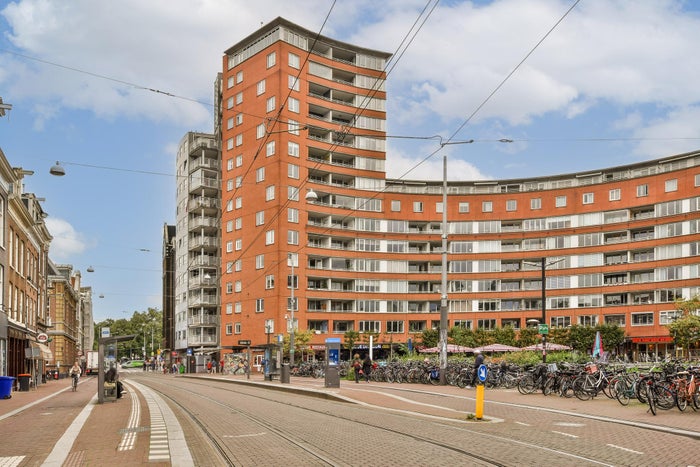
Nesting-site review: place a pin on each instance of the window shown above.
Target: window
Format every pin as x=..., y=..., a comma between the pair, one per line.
x=271, y=59
x=237, y=328
x=239, y=202
x=239, y=223
x=229, y=226
x=259, y=261
x=239, y=119
x=536, y=203
x=260, y=89
x=618, y=320
x=642, y=190
x=293, y=237
x=270, y=237
x=370, y=326
x=294, y=60
x=487, y=206
x=293, y=105
x=560, y=202
x=463, y=207
x=463, y=323
x=229, y=185
x=260, y=218
x=238, y=244
x=259, y=305
x=293, y=149
x=229, y=308
x=270, y=281
x=229, y=287
x=229, y=164
x=238, y=286
x=643, y=319
x=486, y=323
x=292, y=193
x=229, y=246
x=293, y=127
x=671, y=185
x=394, y=327
x=239, y=77
x=270, y=193
x=668, y=317
x=237, y=307
x=229, y=123
x=239, y=181
x=239, y=140
x=229, y=82
x=293, y=83
x=511, y=205
x=239, y=160
x=260, y=175
x=229, y=103
x=293, y=215
x=588, y=198
x=293, y=171
x=270, y=104
x=260, y=131
x=270, y=149
x=395, y=205
x=239, y=98
x=229, y=329
x=417, y=206
x=697, y=180
x=560, y=321
x=614, y=195
x=588, y=320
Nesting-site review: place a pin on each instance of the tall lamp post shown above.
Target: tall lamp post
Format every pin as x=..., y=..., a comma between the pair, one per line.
x=290, y=257
x=443, y=286
x=543, y=267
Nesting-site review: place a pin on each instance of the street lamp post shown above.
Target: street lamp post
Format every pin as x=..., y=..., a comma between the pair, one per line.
x=293, y=305
x=543, y=266
x=443, y=286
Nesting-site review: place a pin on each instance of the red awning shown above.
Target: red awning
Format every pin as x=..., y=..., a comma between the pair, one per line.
x=652, y=340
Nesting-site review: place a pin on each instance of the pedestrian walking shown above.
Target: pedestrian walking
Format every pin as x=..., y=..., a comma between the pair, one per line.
x=367, y=367
x=478, y=361
x=209, y=366
x=357, y=366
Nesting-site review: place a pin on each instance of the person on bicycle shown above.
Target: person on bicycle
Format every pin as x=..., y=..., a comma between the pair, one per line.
x=75, y=372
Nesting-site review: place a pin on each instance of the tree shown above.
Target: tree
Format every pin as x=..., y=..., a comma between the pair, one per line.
x=430, y=338
x=685, y=330
x=349, y=338
x=528, y=336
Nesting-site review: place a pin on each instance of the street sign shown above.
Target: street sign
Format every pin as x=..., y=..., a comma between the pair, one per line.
x=105, y=333
x=244, y=342
x=482, y=372
x=542, y=329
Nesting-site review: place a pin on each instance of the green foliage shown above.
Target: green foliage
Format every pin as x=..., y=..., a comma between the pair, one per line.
x=430, y=338
x=349, y=339
x=462, y=336
x=686, y=330
x=527, y=337
x=144, y=326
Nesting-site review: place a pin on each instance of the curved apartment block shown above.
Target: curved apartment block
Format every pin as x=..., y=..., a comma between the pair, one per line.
x=315, y=236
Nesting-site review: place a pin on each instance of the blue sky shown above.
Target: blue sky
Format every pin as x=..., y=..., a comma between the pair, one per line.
x=615, y=82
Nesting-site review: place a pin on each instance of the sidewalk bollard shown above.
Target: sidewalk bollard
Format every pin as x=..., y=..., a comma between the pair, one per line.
x=479, y=401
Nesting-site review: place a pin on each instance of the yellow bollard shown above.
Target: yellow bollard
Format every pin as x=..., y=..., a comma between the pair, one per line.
x=479, y=401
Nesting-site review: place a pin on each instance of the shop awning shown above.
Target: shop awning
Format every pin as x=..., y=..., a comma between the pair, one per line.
x=41, y=351
x=653, y=340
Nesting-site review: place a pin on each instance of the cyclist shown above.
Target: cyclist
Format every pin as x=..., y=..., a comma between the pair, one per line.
x=75, y=374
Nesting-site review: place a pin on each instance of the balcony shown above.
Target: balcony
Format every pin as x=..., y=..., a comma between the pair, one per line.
x=204, y=320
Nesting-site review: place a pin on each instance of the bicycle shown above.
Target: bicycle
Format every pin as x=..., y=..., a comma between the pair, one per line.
x=75, y=381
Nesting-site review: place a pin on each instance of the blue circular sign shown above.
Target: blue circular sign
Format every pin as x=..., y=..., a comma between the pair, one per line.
x=482, y=372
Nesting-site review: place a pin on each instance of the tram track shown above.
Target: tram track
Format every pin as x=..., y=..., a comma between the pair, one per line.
x=317, y=452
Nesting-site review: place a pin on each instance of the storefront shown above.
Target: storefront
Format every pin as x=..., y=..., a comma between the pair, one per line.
x=652, y=348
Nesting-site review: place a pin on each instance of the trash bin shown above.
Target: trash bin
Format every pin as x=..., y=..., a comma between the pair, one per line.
x=284, y=374
x=6, y=383
x=24, y=381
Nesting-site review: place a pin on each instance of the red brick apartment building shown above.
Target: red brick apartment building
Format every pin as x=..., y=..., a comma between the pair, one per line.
x=305, y=201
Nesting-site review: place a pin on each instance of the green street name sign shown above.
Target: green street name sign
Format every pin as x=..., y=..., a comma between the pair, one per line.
x=542, y=329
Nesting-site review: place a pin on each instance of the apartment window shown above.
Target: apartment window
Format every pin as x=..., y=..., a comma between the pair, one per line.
x=292, y=193
x=560, y=321
x=588, y=320
x=463, y=323
x=486, y=323
x=293, y=149
x=269, y=326
x=535, y=203
x=293, y=83
x=463, y=207
x=293, y=171
x=229, y=123
x=260, y=89
x=239, y=202
x=511, y=205
x=238, y=244
x=614, y=195
x=239, y=77
x=238, y=265
x=671, y=185
x=229, y=287
x=259, y=218
x=642, y=190
x=560, y=202
x=438, y=207
x=417, y=206
x=237, y=308
x=394, y=327
x=697, y=180
x=238, y=286
x=229, y=185
x=643, y=319
x=293, y=127
x=260, y=175
x=270, y=237
x=237, y=328
x=260, y=131
x=259, y=305
x=239, y=181
x=229, y=308
x=294, y=60
x=229, y=226
x=229, y=329
x=270, y=104
x=292, y=237
x=239, y=140
x=271, y=59
x=293, y=105
x=487, y=206
x=239, y=98
x=229, y=267
x=293, y=215
x=618, y=320
x=239, y=160
x=229, y=82
x=395, y=205
x=270, y=193
x=669, y=317
x=239, y=119
x=270, y=149
x=239, y=223
x=229, y=103
x=229, y=144
x=270, y=281
x=588, y=198
x=229, y=164
x=229, y=246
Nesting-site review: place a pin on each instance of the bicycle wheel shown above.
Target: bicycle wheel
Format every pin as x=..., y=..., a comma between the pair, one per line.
x=526, y=385
x=609, y=389
x=622, y=392
x=582, y=388
x=548, y=386
x=665, y=396
x=650, y=398
x=567, y=387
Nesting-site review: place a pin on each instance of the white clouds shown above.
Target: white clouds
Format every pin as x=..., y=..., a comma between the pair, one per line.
x=674, y=133
x=67, y=242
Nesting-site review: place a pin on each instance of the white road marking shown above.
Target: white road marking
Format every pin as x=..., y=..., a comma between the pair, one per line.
x=625, y=449
x=12, y=461
x=63, y=446
x=565, y=434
